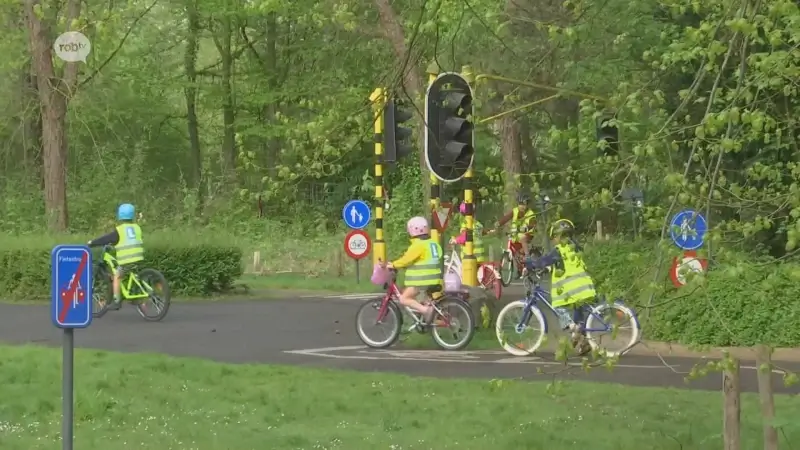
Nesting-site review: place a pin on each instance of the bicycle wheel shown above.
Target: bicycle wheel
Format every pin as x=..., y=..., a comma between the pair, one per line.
x=157, y=289
x=367, y=319
x=615, y=319
x=102, y=291
x=517, y=320
x=506, y=268
x=457, y=321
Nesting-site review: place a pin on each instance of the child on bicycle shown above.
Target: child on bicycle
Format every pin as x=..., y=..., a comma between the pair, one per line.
x=127, y=241
x=477, y=235
x=523, y=221
x=422, y=261
x=571, y=286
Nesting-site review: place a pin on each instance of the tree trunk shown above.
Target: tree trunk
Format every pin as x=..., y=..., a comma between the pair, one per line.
x=53, y=98
x=223, y=42
x=393, y=31
x=190, y=91
x=511, y=147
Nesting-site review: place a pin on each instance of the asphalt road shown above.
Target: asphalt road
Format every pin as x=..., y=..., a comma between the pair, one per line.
x=320, y=332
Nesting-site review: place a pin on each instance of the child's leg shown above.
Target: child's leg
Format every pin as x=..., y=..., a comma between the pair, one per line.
x=116, y=285
x=564, y=314
x=409, y=298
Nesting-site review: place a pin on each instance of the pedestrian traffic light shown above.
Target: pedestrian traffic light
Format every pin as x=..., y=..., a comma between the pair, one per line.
x=449, y=140
x=395, y=136
x=608, y=133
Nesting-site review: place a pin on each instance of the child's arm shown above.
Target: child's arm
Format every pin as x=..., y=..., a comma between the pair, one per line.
x=106, y=239
x=550, y=259
x=461, y=239
x=411, y=255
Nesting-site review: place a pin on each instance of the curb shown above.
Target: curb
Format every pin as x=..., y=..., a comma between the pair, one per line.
x=663, y=349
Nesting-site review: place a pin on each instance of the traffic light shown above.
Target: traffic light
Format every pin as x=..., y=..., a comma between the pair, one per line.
x=395, y=137
x=609, y=133
x=449, y=140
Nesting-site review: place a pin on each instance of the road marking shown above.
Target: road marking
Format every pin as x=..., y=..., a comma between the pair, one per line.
x=346, y=296
x=437, y=356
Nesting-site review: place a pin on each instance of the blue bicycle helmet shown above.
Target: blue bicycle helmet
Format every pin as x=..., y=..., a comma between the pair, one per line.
x=126, y=211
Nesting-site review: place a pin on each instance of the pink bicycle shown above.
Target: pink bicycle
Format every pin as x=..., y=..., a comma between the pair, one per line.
x=379, y=322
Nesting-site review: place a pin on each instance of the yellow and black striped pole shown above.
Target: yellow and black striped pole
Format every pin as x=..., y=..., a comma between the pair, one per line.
x=469, y=266
x=378, y=98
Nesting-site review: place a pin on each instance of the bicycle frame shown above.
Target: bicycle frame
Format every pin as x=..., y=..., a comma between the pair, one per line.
x=538, y=294
x=454, y=265
x=393, y=295
x=126, y=285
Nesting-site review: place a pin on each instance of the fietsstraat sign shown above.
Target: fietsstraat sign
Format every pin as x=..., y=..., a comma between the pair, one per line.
x=357, y=244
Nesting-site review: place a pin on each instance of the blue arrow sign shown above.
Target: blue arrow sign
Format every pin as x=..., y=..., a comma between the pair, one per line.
x=688, y=229
x=356, y=214
x=71, y=286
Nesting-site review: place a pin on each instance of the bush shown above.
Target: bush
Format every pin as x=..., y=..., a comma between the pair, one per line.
x=193, y=265
x=737, y=303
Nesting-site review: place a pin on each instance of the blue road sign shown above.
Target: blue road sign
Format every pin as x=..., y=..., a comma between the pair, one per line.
x=356, y=214
x=688, y=229
x=71, y=286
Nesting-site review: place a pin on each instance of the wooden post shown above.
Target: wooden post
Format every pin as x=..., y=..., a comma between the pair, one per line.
x=731, y=407
x=599, y=234
x=766, y=395
x=256, y=261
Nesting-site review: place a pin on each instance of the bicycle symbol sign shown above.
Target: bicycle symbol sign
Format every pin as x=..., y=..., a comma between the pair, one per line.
x=357, y=244
x=71, y=284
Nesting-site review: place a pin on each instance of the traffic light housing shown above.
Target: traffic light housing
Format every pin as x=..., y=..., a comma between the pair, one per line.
x=396, y=137
x=609, y=133
x=449, y=131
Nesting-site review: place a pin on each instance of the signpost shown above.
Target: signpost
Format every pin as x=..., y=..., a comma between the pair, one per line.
x=441, y=216
x=357, y=246
x=689, y=262
x=70, y=308
x=688, y=230
x=356, y=214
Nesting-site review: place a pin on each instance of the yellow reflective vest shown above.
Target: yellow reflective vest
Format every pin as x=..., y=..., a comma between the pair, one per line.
x=573, y=284
x=477, y=240
x=427, y=270
x=518, y=222
x=130, y=248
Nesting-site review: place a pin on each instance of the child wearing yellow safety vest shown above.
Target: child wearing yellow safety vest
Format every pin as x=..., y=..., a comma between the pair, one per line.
x=477, y=235
x=571, y=286
x=127, y=241
x=422, y=261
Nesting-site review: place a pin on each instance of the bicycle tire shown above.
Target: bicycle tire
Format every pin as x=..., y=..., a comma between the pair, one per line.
x=506, y=275
x=620, y=307
x=536, y=314
x=445, y=304
x=392, y=309
x=165, y=297
x=101, y=286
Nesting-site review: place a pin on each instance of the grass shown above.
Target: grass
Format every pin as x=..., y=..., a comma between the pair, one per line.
x=302, y=282
x=159, y=402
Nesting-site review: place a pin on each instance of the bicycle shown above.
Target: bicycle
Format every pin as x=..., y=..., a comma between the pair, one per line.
x=592, y=323
x=489, y=280
x=134, y=287
x=513, y=259
x=388, y=309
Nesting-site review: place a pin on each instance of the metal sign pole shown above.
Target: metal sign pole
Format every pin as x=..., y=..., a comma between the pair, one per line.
x=358, y=272
x=67, y=386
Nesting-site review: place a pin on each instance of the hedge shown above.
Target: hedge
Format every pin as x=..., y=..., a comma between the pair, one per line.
x=193, y=265
x=736, y=303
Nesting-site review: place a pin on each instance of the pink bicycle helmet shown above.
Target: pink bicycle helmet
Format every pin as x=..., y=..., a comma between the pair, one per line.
x=417, y=226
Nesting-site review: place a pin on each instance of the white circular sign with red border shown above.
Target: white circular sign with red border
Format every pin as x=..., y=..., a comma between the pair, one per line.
x=689, y=262
x=357, y=244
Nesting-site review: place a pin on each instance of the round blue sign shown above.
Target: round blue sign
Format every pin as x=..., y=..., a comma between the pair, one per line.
x=356, y=214
x=688, y=229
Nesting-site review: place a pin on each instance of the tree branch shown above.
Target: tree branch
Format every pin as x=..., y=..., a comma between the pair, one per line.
x=119, y=46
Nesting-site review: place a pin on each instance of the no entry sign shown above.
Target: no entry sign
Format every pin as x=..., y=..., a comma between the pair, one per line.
x=357, y=244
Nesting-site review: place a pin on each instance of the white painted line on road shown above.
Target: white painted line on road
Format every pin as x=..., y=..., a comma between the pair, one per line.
x=345, y=296
x=462, y=357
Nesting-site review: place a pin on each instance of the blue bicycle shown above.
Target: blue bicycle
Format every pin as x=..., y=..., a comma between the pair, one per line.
x=525, y=317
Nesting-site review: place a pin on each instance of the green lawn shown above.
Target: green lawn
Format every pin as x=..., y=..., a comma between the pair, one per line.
x=302, y=282
x=158, y=402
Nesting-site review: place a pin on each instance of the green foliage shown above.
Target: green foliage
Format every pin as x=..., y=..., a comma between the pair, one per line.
x=193, y=265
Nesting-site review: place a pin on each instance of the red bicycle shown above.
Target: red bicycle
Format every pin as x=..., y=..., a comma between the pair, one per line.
x=513, y=260
x=452, y=318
